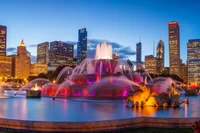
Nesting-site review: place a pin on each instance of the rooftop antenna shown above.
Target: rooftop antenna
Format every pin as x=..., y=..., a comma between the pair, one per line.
x=140, y=39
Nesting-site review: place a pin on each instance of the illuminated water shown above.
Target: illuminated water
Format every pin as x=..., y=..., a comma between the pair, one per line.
x=78, y=110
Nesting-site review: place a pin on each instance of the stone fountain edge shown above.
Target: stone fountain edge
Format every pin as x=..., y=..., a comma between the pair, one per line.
x=136, y=122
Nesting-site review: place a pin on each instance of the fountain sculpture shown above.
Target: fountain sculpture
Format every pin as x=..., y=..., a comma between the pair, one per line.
x=34, y=92
x=144, y=97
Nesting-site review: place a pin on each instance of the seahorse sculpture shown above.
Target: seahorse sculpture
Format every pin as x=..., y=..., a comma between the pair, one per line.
x=139, y=97
x=143, y=97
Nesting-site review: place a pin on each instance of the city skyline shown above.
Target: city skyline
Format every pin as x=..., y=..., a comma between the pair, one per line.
x=123, y=22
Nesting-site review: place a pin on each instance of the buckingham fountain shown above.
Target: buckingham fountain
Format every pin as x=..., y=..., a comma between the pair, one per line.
x=99, y=94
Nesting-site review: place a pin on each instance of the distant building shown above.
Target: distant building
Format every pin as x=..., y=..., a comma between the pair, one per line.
x=43, y=53
x=21, y=63
x=183, y=70
x=165, y=70
x=38, y=68
x=174, y=48
x=150, y=64
x=160, y=56
x=82, y=45
x=138, y=52
x=5, y=67
x=3, y=40
x=193, y=59
x=116, y=56
x=29, y=54
x=60, y=53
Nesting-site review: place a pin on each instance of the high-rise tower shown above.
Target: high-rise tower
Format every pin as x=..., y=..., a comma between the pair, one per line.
x=3, y=40
x=21, y=62
x=43, y=53
x=138, y=52
x=82, y=45
x=174, y=48
x=193, y=59
x=160, y=53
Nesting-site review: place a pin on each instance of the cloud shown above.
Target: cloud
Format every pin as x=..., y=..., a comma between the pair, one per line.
x=93, y=42
x=11, y=49
x=71, y=42
x=32, y=45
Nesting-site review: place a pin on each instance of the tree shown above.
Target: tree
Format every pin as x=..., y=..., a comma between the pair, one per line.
x=42, y=75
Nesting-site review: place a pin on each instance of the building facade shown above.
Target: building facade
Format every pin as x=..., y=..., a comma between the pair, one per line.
x=138, y=52
x=36, y=69
x=61, y=53
x=82, y=45
x=150, y=64
x=5, y=67
x=184, y=72
x=43, y=53
x=3, y=40
x=174, y=48
x=160, y=56
x=193, y=60
x=21, y=63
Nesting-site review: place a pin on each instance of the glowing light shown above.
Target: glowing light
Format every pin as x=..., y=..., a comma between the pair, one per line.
x=35, y=88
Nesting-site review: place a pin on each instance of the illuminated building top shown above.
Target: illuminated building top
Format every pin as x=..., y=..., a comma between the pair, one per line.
x=22, y=43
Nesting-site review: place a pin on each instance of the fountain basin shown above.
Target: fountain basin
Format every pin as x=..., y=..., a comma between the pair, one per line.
x=83, y=115
x=33, y=93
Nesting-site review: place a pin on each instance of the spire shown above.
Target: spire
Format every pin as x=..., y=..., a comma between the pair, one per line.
x=22, y=43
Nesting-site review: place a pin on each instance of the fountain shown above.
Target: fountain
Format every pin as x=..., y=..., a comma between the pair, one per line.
x=86, y=79
x=34, y=92
x=76, y=104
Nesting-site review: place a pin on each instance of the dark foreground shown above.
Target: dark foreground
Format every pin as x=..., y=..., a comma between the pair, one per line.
x=138, y=130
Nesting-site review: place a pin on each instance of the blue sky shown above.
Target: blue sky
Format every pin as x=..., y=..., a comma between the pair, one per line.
x=119, y=21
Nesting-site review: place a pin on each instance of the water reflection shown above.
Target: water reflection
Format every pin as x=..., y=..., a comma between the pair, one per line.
x=186, y=110
x=46, y=109
x=145, y=111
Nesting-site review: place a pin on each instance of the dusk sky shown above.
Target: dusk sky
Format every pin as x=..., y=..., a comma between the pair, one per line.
x=119, y=21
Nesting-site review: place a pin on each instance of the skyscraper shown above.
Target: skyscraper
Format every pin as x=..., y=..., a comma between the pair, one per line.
x=150, y=64
x=21, y=63
x=6, y=67
x=82, y=45
x=61, y=53
x=43, y=53
x=138, y=52
x=160, y=51
x=193, y=58
x=174, y=48
x=3, y=40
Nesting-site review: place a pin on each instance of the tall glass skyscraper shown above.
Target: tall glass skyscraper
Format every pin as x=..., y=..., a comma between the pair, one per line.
x=82, y=45
x=174, y=48
x=43, y=53
x=160, y=56
x=138, y=52
x=3, y=40
x=193, y=58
